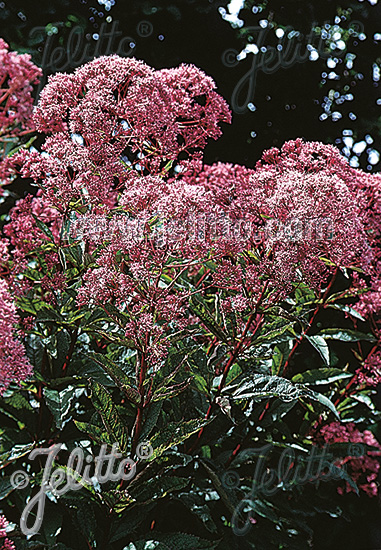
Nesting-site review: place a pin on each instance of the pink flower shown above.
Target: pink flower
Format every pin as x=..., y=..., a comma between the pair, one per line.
x=17, y=75
x=124, y=147
x=364, y=465
x=370, y=373
x=6, y=543
x=14, y=365
x=116, y=118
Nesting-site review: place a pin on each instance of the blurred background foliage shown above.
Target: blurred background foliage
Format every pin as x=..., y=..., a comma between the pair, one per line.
x=334, y=97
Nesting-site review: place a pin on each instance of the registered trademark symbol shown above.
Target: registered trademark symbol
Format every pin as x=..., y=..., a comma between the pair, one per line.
x=144, y=29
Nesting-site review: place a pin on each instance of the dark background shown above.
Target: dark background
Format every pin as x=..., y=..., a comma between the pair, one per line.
x=291, y=102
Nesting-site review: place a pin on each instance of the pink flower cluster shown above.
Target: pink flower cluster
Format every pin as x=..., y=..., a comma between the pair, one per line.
x=115, y=118
x=17, y=75
x=370, y=373
x=126, y=141
x=6, y=543
x=117, y=132
x=364, y=465
x=14, y=365
x=368, y=191
x=23, y=237
x=302, y=181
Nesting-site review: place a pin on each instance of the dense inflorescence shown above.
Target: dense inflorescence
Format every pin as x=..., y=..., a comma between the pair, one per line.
x=364, y=465
x=115, y=118
x=17, y=76
x=370, y=372
x=6, y=543
x=302, y=208
x=14, y=365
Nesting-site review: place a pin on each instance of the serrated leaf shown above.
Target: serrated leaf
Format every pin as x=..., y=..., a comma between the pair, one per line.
x=119, y=500
x=208, y=320
x=121, y=379
x=105, y=406
x=95, y=432
x=59, y=404
x=174, y=434
x=320, y=376
x=321, y=346
x=260, y=386
x=273, y=334
x=18, y=402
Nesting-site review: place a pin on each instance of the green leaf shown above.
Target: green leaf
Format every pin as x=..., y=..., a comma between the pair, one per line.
x=304, y=294
x=260, y=386
x=18, y=451
x=121, y=379
x=130, y=522
x=50, y=344
x=78, y=478
x=105, y=406
x=119, y=500
x=32, y=306
x=279, y=358
x=196, y=503
x=158, y=487
x=320, y=376
x=320, y=345
x=208, y=320
x=87, y=522
x=151, y=420
x=174, y=434
x=322, y=399
x=186, y=541
x=43, y=227
x=200, y=383
x=94, y=432
x=63, y=344
x=346, y=309
x=73, y=254
x=59, y=403
x=273, y=334
x=6, y=487
x=346, y=335
x=171, y=391
x=18, y=402
x=52, y=524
